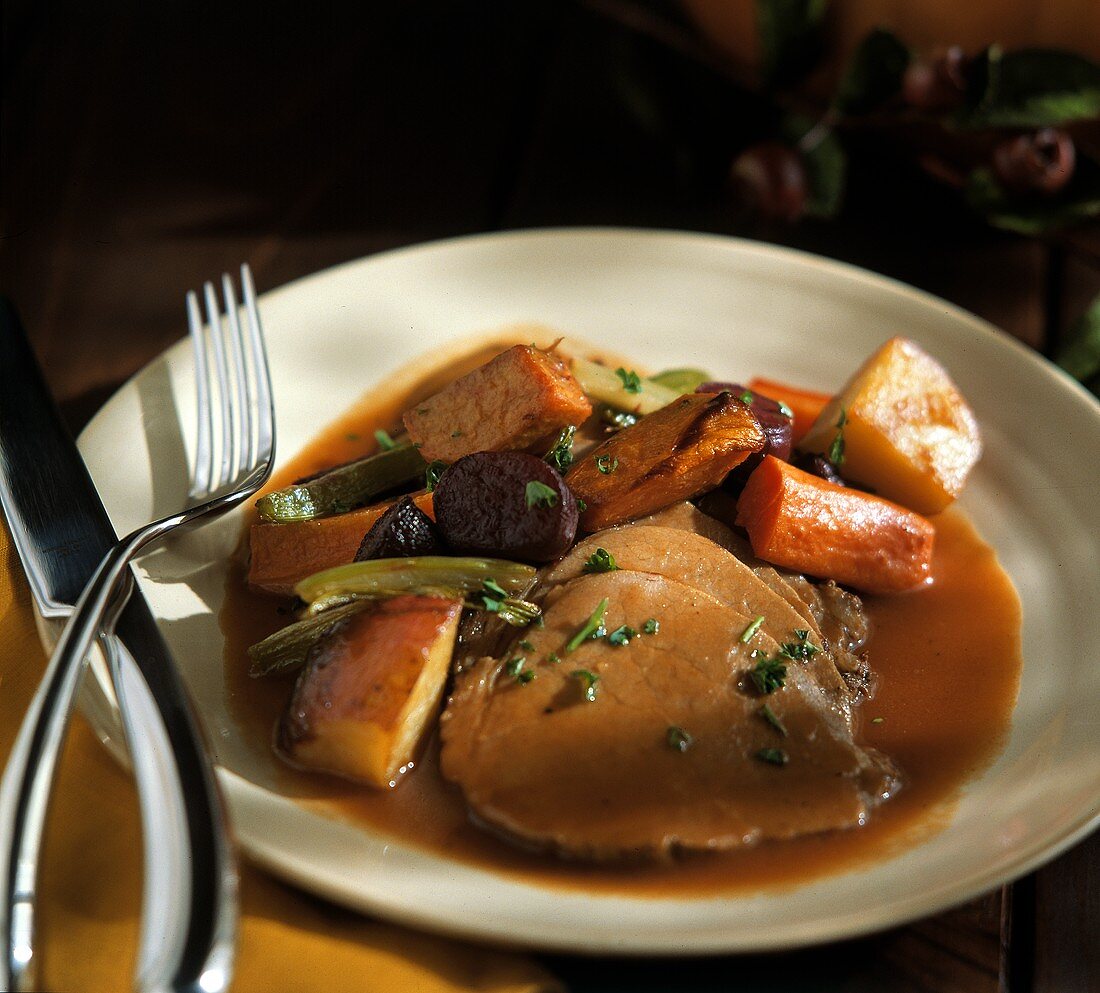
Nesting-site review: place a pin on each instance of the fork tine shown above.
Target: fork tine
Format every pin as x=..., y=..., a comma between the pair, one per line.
x=265, y=414
x=200, y=478
x=246, y=448
x=225, y=401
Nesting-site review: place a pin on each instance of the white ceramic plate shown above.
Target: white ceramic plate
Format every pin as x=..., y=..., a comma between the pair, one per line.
x=735, y=308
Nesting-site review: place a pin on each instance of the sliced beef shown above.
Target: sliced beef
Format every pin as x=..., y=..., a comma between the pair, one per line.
x=608, y=779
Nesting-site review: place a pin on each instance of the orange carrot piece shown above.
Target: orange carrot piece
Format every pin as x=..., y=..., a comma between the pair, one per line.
x=805, y=404
x=802, y=522
x=284, y=554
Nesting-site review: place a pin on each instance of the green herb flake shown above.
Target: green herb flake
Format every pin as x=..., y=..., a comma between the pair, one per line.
x=632, y=382
x=590, y=628
x=432, y=473
x=456, y=434
x=836, y=449
x=588, y=682
x=601, y=560
x=756, y=624
x=561, y=455
x=652, y=626
x=621, y=636
x=785, y=410
x=770, y=716
x=799, y=651
x=553, y=657
x=385, y=440
x=773, y=756
x=746, y=397
x=877, y=720
x=581, y=505
x=526, y=645
x=768, y=675
x=606, y=464
x=678, y=739
x=540, y=495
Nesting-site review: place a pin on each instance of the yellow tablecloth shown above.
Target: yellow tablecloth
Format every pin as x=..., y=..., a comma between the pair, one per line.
x=92, y=880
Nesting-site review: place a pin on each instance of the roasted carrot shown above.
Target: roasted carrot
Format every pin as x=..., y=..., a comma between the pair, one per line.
x=804, y=404
x=283, y=554
x=805, y=523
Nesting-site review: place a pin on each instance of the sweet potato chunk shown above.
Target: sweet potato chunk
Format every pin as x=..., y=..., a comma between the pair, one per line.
x=520, y=399
x=908, y=434
x=284, y=554
x=805, y=523
x=370, y=689
x=676, y=453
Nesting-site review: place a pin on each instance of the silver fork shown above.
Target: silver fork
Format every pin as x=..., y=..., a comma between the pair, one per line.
x=233, y=457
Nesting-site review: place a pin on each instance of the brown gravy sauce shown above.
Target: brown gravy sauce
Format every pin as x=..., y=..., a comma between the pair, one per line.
x=963, y=629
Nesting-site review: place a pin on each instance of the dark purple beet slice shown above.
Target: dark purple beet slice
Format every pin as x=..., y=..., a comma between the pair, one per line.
x=403, y=531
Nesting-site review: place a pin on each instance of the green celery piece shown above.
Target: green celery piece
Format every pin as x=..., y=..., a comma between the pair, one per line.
x=682, y=380
x=286, y=649
x=344, y=487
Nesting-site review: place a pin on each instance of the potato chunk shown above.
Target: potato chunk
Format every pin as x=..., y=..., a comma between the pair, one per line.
x=520, y=399
x=676, y=453
x=370, y=690
x=908, y=433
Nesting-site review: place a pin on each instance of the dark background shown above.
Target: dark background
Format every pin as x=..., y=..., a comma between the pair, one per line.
x=147, y=148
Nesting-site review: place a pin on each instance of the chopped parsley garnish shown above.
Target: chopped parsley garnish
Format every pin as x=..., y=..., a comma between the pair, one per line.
x=836, y=449
x=756, y=624
x=652, y=626
x=877, y=720
x=770, y=716
x=515, y=669
x=601, y=560
x=588, y=682
x=632, y=382
x=540, y=495
x=526, y=645
x=801, y=650
x=621, y=636
x=456, y=434
x=561, y=455
x=773, y=756
x=385, y=440
x=606, y=464
x=581, y=505
x=746, y=397
x=553, y=657
x=678, y=739
x=768, y=675
x=492, y=593
x=590, y=628
x=785, y=410
x=435, y=469
x=495, y=599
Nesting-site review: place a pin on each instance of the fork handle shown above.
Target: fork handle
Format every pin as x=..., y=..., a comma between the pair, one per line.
x=202, y=953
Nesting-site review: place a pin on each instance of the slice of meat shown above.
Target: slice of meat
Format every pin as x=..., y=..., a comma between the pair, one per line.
x=603, y=780
x=699, y=563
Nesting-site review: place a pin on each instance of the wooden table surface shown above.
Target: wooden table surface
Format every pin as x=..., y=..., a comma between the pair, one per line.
x=146, y=148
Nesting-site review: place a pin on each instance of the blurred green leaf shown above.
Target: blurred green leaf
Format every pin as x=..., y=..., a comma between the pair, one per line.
x=790, y=37
x=874, y=73
x=1032, y=88
x=826, y=163
x=1080, y=356
x=1079, y=201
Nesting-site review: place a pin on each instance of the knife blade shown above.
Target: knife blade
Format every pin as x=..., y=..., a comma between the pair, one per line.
x=61, y=531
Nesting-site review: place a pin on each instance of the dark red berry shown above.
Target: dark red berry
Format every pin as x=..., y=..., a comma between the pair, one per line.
x=771, y=179
x=937, y=83
x=1041, y=162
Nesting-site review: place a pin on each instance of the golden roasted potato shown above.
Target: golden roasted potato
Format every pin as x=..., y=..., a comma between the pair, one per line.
x=673, y=454
x=520, y=399
x=907, y=432
x=370, y=690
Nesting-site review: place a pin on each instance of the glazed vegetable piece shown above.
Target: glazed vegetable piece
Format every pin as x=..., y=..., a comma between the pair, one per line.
x=681, y=381
x=343, y=488
x=900, y=427
x=370, y=690
x=521, y=399
x=506, y=504
x=402, y=531
x=678, y=452
x=773, y=418
x=284, y=554
x=804, y=405
x=286, y=649
x=804, y=523
x=385, y=577
x=622, y=388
